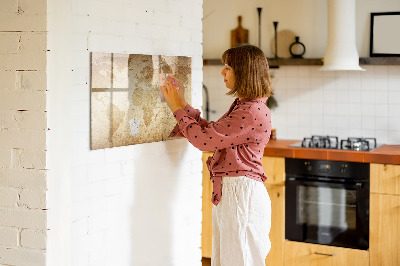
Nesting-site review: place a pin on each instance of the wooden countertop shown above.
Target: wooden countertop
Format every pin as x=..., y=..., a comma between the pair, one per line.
x=389, y=154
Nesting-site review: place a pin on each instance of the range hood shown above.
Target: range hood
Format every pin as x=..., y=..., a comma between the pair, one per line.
x=341, y=51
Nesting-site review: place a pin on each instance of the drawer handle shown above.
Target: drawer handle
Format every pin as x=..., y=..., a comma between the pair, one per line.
x=324, y=254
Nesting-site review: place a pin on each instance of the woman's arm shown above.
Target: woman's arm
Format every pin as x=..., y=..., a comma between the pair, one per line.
x=175, y=98
x=239, y=127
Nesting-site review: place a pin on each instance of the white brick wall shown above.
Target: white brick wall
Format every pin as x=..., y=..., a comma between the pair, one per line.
x=23, y=132
x=135, y=205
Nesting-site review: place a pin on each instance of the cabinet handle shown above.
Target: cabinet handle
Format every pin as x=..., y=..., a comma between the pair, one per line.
x=324, y=254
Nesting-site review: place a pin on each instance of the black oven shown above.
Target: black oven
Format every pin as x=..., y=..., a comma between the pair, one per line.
x=327, y=202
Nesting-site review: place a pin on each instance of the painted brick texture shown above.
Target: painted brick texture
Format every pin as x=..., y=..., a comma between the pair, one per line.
x=135, y=205
x=23, y=132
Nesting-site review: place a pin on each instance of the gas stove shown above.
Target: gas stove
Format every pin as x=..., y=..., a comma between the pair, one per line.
x=332, y=142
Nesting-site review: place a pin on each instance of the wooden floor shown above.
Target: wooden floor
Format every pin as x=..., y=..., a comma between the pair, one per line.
x=206, y=261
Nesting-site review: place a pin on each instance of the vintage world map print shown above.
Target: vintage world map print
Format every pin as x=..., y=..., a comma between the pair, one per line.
x=126, y=101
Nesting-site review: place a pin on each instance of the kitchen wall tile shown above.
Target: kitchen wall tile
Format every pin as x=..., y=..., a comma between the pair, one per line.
x=316, y=82
x=394, y=110
x=354, y=80
x=342, y=122
x=317, y=95
x=304, y=82
x=367, y=99
x=329, y=122
x=380, y=71
x=367, y=81
x=382, y=123
x=328, y=74
x=342, y=133
x=317, y=121
x=380, y=84
x=329, y=109
x=342, y=109
x=367, y=96
x=355, y=109
x=381, y=110
x=291, y=71
x=342, y=80
x=354, y=122
x=305, y=95
x=394, y=137
x=329, y=93
x=367, y=133
x=317, y=131
x=293, y=120
x=278, y=83
x=381, y=136
x=355, y=96
x=317, y=108
x=315, y=72
x=342, y=96
x=393, y=71
x=381, y=97
x=355, y=132
x=278, y=71
x=394, y=123
x=367, y=110
x=394, y=97
x=292, y=82
x=394, y=83
x=304, y=108
x=304, y=72
x=367, y=123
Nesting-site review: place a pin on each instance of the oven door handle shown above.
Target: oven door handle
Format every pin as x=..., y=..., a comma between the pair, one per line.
x=357, y=185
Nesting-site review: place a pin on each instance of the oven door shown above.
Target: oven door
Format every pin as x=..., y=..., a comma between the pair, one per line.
x=327, y=213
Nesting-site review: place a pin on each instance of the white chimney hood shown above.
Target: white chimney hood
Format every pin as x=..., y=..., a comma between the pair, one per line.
x=341, y=51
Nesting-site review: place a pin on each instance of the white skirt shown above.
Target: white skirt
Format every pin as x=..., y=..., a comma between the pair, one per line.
x=241, y=223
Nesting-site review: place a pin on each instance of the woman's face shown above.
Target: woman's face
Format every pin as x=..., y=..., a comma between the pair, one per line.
x=229, y=76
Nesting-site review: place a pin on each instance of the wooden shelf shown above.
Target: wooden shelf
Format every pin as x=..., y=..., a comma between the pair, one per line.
x=274, y=63
x=380, y=61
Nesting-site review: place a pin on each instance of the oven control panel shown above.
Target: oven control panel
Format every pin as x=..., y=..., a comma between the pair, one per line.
x=337, y=169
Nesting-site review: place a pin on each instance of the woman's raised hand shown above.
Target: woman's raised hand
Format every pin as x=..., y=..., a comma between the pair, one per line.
x=174, y=94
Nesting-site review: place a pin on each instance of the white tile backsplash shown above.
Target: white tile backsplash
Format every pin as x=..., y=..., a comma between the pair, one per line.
x=343, y=103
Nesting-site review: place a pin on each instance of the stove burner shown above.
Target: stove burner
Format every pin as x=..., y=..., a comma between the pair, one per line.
x=328, y=142
x=332, y=142
x=358, y=144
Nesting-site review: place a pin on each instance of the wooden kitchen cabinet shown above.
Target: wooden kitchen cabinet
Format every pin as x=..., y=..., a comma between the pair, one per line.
x=274, y=168
x=206, y=225
x=305, y=254
x=384, y=236
x=277, y=233
x=385, y=178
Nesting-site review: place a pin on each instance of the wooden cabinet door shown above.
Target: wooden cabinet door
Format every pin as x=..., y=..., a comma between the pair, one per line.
x=385, y=178
x=274, y=168
x=304, y=254
x=277, y=233
x=384, y=236
x=206, y=226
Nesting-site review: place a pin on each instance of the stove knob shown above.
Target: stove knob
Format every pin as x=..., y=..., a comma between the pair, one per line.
x=308, y=166
x=343, y=168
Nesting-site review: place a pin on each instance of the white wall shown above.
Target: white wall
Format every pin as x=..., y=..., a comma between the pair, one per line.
x=305, y=18
x=134, y=205
x=23, y=133
x=311, y=102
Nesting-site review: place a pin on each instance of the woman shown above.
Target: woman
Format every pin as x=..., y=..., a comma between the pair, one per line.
x=242, y=208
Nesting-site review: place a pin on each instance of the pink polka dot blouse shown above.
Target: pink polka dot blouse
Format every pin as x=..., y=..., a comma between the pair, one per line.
x=238, y=139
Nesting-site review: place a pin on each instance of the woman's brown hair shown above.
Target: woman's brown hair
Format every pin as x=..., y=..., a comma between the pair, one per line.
x=250, y=66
